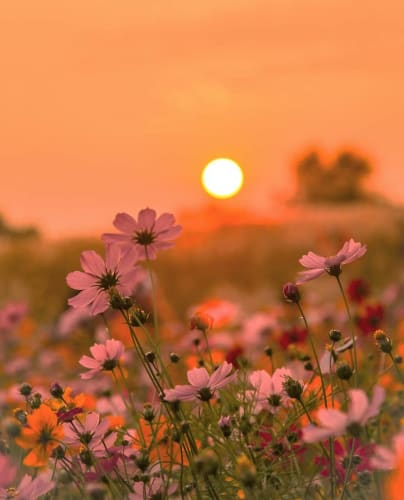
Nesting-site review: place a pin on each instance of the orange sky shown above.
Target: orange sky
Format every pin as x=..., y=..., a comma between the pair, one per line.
x=114, y=105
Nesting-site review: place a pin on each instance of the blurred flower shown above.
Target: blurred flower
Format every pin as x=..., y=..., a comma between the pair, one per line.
x=41, y=435
x=371, y=320
x=29, y=488
x=294, y=335
x=201, y=321
x=148, y=234
x=8, y=471
x=358, y=290
x=268, y=390
x=318, y=265
x=100, y=278
x=71, y=319
x=11, y=314
x=202, y=385
x=388, y=458
x=335, y=423
x=105, y=357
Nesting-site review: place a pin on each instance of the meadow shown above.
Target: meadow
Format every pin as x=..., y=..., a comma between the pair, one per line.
x=213, y=360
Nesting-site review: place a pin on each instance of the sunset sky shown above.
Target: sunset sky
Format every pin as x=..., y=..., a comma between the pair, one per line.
x=111, y=106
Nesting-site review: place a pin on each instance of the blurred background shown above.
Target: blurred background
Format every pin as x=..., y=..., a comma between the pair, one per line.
x=110, y=107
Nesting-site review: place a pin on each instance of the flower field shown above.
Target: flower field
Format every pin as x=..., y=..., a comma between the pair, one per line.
x=300, y=396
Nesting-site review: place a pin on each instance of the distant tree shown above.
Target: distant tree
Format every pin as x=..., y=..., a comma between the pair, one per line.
x=340, y=181
x=9, y=232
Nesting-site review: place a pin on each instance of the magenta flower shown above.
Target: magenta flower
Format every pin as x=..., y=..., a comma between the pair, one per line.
x=147, y=234
x=202, y=385
x=268, y=390
x=91, y=434
x=318, y=265
x=101, y=277
x=105, y=358
x=335, y=423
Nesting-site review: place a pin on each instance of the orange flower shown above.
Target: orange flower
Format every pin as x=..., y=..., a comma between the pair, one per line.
x=41, y=435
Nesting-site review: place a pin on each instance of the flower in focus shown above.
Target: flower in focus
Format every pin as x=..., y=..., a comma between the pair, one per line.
x=318, y=265
x=29, y=488
x=371, y=320
x=268, y=390
x=105, y=358
x=147, y=234
x=100, y=278
x=89, y=435
x=202, y=385
x=358, y=290
x=335, y=423
x=41, y=435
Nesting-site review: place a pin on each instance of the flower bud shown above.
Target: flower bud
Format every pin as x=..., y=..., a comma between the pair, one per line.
x=174, y=358
x=138, y=317
x=206, y=462
x=225, y=425
x=150, y=356
x=343, y=370
x=291, y=292
x=334, y=335
x=56, y=390
x=25, y=389
x=268, y=351
x=201, y=321
x=148, y=413
x=293, y=388
x=383, y=341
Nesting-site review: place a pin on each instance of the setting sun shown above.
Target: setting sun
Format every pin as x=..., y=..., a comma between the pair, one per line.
x=222, y=178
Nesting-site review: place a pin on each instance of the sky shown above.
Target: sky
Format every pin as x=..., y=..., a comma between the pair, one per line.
x=113, y=106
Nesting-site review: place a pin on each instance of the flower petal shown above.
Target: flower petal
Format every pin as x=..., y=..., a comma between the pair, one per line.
x=80, y=281
x=125, y=223
x=83, y=299
x=146, y=219
x=198, y=377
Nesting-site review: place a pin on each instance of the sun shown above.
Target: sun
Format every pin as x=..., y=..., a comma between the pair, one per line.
x=222, y=178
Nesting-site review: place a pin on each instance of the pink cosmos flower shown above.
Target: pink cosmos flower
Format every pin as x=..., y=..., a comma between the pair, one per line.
x=147, y=234
x=11, y=314
x=202, y=385
x=90, y=434
x=8, y=471
x=318, y=265
x=335, y=422
x=101, y=277
x=29, y=488
x=268, y=390
x=105, y=357
x=387, y=459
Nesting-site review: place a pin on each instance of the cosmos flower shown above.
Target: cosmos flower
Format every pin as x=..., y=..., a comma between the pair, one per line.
x=388, y=458
x=8, y=471
x=335, y=422
x=268, y=390
x=100, y=278
x=105, y=357
x=147, y=234
x=41, y=436
x=318, y=265
x=358, y=290
x=371, y=319
x=91, y=434
x=29, y=488
x=202, y=385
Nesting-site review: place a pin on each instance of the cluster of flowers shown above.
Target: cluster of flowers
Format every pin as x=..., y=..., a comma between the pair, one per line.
x=323, y=423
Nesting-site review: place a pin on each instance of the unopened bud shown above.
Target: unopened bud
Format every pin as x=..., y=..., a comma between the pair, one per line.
x=293, y=388
x=291, y=292
x=383, y=341
x=343, y=370
x=25, y=389
x=201, y=321
x=335, y=335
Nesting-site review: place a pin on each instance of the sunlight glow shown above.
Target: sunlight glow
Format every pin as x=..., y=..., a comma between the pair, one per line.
x=222, y=178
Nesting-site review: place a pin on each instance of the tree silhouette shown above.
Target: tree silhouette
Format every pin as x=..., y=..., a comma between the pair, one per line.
x=341, y=181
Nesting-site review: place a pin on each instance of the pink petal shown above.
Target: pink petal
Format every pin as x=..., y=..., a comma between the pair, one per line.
x=92, y=420
x=198, y=377
x=220, y=374
x=304, y=276
x=92, y=263
x=89, y=374
x=383, y=458
x=116, y=238
x=146, y=219
x=358, y=405
x=100, y=303
x=334, y=420
x=171, y=233
x=312, y=260
x=128, y=259
x=261, y=381
x=88, y=362
x=376, y=402
x=80, y=281
x=313, y=434
x=125, y=223
x=112, y=256
x=114, y=348
x=83, y=299
x=99, y=352
x=128, y=282
x=224, y=381
x=180, y=393
x=164, y=222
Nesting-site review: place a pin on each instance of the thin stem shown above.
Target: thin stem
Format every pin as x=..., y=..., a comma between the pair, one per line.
x=400, y=375
x=348, y=311
x=153, y=291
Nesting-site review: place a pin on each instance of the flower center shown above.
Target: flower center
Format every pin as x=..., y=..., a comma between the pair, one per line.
x=205, y=394
x=354, y=429
x=108, y=280
x=109, y=364
x=86, y=437
x=274, y=399
x=144, y=237
x=11, y=492
x=45, y=436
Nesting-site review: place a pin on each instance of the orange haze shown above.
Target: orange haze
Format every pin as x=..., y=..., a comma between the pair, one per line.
x=110, y=106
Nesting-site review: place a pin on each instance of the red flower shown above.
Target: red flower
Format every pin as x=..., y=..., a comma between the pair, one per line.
x=358, y=290
x=294, y=335
x=371, y=320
